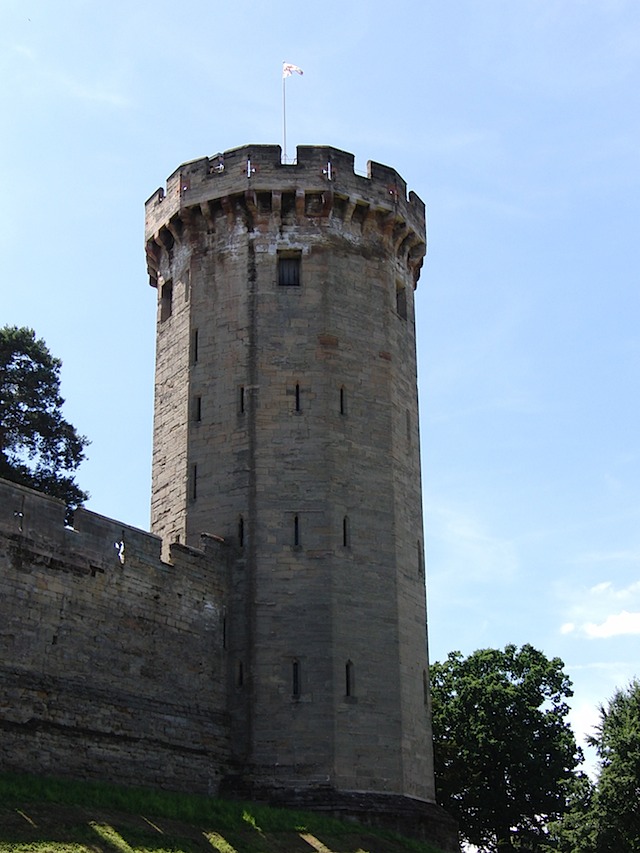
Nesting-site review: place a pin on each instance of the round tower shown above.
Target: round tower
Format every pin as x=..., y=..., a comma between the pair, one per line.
x=286, y=422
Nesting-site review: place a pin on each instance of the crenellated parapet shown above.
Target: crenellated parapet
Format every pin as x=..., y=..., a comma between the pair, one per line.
x=35, y=525
x=112, y=661
x=251, y=187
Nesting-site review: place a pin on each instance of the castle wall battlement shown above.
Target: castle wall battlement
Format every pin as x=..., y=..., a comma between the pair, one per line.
x=322, y=180
x=97, y=542
x=112, y=662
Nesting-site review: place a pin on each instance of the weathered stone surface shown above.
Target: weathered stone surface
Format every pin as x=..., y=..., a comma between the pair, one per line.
x=270, y=638
x=296, y=422
x=111, y=661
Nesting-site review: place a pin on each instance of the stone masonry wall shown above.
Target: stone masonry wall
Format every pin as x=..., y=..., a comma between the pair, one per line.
x=112, y=662
x=293, y=432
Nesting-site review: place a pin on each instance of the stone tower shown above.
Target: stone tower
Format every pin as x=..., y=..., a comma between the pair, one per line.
x=286, y=422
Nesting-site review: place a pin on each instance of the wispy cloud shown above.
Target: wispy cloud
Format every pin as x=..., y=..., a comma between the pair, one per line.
x=614, y=625
x=596, y=612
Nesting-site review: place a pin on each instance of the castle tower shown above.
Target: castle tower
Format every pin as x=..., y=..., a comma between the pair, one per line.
x=286, y=422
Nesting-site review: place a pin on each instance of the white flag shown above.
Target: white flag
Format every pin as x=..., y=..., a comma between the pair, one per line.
x=288, y=69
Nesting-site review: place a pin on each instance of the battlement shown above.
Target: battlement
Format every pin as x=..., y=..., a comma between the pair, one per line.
x=93, y=626
x=252, y=170
x=95, y=543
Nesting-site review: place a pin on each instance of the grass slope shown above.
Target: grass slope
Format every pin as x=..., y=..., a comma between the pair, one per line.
x=39, y=815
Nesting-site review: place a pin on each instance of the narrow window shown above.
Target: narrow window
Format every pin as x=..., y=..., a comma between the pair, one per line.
x=346, y=533
x=240, y=674
x=420, y=559
x=194, y=482
x=166, y=301
x=296, y=531
x=349, y=685
x=194, y=346
x=295, y=678
x=401, y=300
x=241, y=400
x=187, y=285
x=298, y=398
x=197, y=408
x=241, y=532
x=289, y=269
x=343, y=401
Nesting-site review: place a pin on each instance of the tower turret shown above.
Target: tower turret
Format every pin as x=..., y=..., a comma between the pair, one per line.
x=286, y=421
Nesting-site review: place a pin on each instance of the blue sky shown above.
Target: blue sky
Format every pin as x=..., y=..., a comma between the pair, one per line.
x=517, y=122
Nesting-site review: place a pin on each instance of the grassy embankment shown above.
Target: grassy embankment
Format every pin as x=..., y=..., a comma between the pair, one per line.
x=39, y=815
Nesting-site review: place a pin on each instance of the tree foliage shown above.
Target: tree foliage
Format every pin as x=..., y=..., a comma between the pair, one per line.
x=616, y=802
x=607, y=818
x=575, y=831
x=505, y=758
x=38, y=447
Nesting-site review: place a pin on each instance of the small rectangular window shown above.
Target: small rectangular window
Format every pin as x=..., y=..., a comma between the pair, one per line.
x=296, y=531
x=194, y=346
x=349, y=680
x=166, y=301
x=241, y=400
x=295, y=679
x=289, y=270
x=346, y=532
x=401, y=300
x=197, y=409
x=194, y=482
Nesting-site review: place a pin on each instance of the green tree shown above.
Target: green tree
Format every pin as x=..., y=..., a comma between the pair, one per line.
x=606, y=819
x=505, y=758
x=576, y=830
x=38, y=447
x=616, y=802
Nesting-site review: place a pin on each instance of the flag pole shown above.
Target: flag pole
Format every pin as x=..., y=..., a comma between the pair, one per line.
x=287, y=70
x=284, y=117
